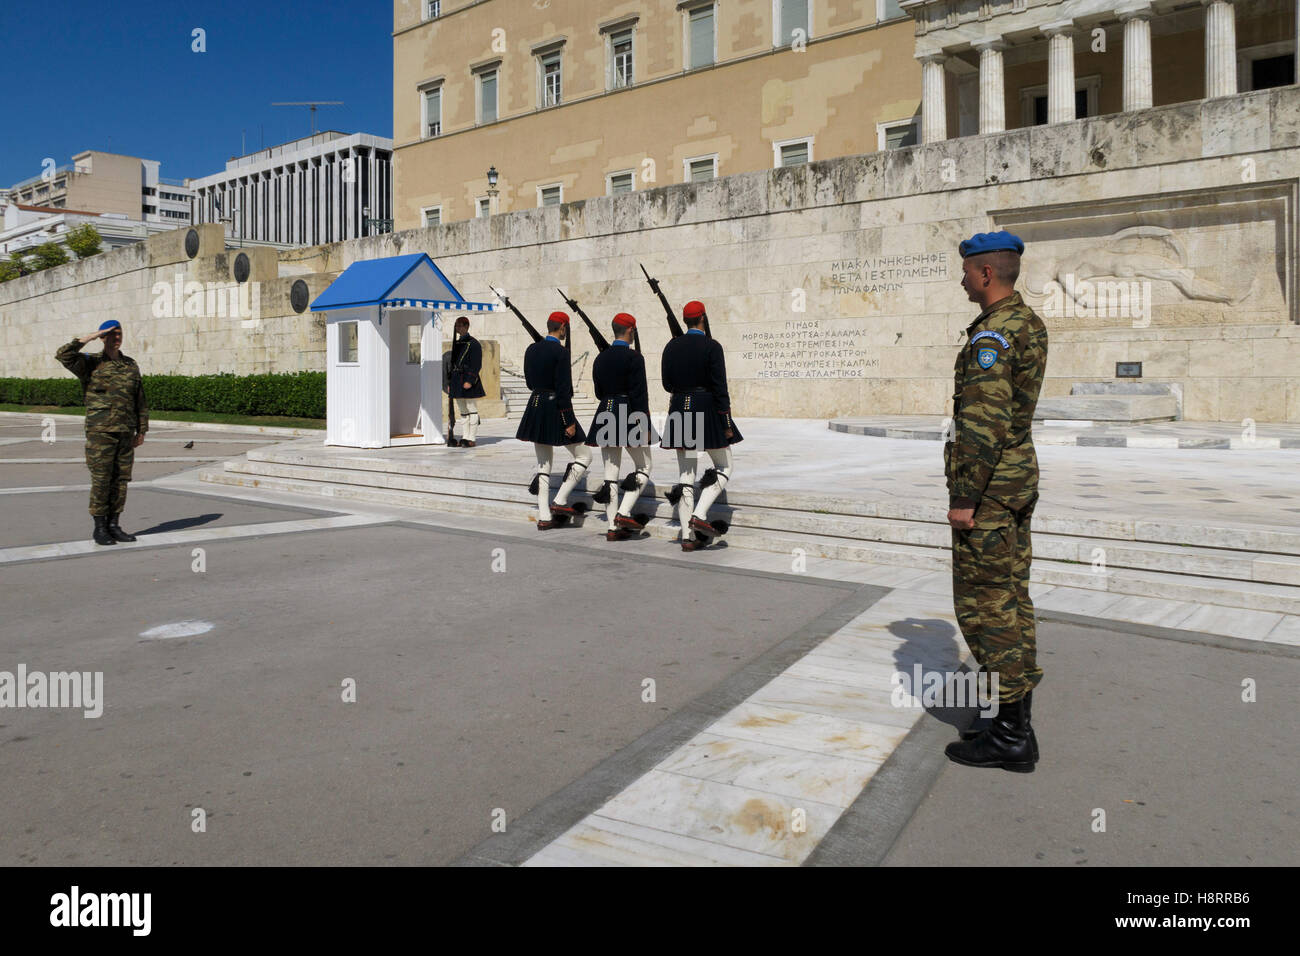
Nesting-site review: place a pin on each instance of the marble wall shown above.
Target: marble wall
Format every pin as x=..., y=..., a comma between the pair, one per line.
x=833, y=286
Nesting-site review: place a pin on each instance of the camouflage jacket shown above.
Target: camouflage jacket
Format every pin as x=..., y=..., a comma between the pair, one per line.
x=996, y=382
x=113, y=388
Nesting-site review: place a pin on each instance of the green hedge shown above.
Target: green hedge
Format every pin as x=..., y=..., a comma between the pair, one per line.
x=293, y=394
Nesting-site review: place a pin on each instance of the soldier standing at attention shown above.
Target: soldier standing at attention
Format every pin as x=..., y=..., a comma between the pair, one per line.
x=694, y=371
x=549, y=421
x=992, y=473
x=116, y=421
x=463, y=383
x=622, y=421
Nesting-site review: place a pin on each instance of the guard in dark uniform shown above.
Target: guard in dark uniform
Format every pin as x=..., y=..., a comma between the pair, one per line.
x=549, y=420
x=622, y=421
x=699, y=419
x=464, y=384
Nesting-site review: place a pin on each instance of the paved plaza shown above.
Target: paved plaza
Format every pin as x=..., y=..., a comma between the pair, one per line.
x=348, y=681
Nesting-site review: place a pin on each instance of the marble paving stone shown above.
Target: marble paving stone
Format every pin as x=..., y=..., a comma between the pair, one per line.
x=601, y=841
x=1149, y=610
x=783, y=771
x=734, y=816
x=818, y=697
x=802, y=730
x=1232, y=621
x=1286, y=631
x=1079, y=601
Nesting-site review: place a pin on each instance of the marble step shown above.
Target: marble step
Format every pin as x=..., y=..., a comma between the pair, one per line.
x=1248, y=538
x=1232, y=594
x=1082, y=553
x=1108, y=408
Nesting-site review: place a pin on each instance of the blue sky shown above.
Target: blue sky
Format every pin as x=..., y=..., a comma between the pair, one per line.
x=121, y=77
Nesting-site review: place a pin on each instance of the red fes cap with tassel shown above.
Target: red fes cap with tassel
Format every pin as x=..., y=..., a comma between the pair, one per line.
x=561, y=317
x=625, y=320
x=693, y=309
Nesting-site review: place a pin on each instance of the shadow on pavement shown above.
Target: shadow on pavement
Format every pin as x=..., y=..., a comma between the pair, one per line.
x=180, y=524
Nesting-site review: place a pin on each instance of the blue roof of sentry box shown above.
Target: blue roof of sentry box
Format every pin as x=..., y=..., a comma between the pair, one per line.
x=372, y=281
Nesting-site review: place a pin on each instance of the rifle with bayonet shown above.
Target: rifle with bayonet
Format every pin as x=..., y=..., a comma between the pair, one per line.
x=601, y=342
x=519, y=315
x=673, y=325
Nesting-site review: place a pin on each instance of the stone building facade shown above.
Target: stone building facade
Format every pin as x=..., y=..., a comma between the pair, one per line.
x=1163, y=236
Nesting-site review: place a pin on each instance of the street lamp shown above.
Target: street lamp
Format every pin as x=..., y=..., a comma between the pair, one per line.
x=492, y=188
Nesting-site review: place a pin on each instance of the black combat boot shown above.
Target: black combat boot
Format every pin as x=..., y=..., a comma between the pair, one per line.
x=1005, y=744
x=116, y=531
x=981, y=724
x=101, y=535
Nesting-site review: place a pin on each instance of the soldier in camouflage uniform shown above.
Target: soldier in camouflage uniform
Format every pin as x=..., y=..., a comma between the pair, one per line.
x=117, y=419
x=992, y=473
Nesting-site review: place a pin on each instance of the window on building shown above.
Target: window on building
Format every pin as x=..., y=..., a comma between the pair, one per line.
x=432, y=216
x=433, y=112
x=487, y=96
x=621, y=68
x=794, y=152
x=1271, y=71
x=347, y=343
x=898, y=135
x=1080, y=107
x=550, y=66
x=701, y=169
x=433, y=9
x=792, y=23
x=550, y=195
x=700, y=32
x=483, y=207
x=888, y=10
x=620, y=183
x=413, y=344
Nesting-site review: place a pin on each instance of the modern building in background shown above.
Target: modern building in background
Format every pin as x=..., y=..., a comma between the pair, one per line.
x=590, y=97
x=97, y=182
x=26, y=227
x=323, y=188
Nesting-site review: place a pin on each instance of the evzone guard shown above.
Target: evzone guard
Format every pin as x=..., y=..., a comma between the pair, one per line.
x=464, y=383
x=699, y=419
x=622, y=421
x=549, y=421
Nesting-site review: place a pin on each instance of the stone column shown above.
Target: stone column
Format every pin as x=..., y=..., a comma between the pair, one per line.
x=1220, y=48
x=934, y=105
x=993, y=101
x=1137, y=56
x=1060, y=71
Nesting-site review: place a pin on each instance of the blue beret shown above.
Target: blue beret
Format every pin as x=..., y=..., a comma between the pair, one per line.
x=983, y=242
x=110, y=324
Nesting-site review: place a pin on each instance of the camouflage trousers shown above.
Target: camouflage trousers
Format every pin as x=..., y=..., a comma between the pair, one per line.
x=990, y=589
x=109, y=456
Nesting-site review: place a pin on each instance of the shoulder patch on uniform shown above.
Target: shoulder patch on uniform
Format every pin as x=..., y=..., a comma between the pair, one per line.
x=986, y=357
x=990, y=334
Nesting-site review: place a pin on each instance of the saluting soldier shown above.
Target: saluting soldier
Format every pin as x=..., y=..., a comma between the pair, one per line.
x=549, y=421
x=992, y=472
x=117, y=418
x=464, y=382
x=622, y=421
x=694, y=371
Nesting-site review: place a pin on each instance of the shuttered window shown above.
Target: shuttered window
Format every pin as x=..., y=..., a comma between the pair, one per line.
x=701, y=33
x=794, y=16
x=487, y=97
